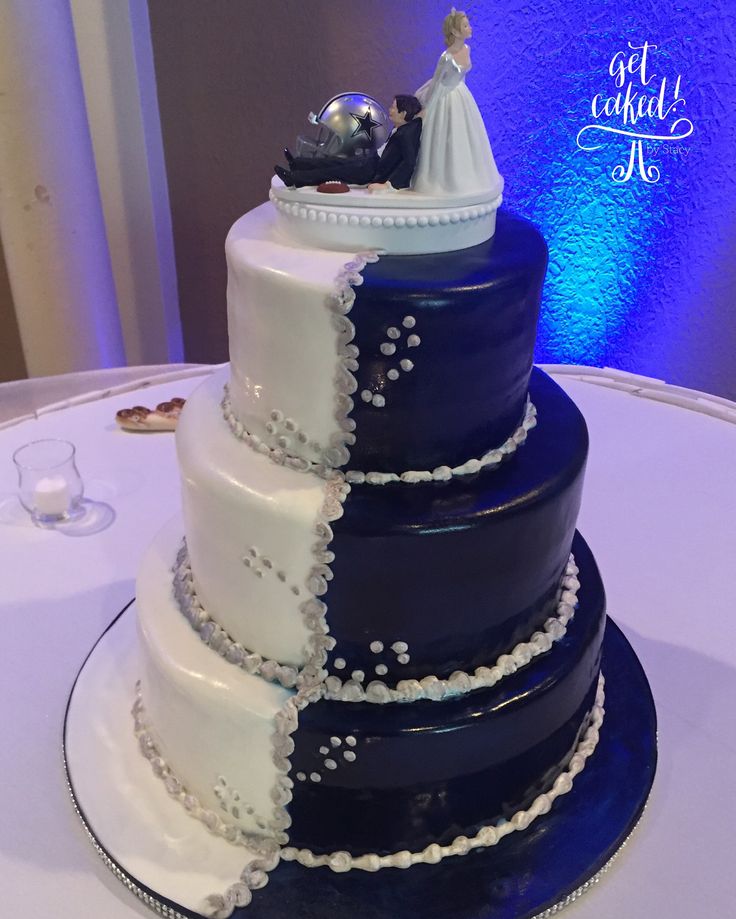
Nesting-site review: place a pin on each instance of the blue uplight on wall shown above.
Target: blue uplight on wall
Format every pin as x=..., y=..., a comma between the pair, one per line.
x=640, y=273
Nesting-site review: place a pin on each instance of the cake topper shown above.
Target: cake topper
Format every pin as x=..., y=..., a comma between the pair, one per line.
x=456, y=156
x=350, y=124
x=392, y=169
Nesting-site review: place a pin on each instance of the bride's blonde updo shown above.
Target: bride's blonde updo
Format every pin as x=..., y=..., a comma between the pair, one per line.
x=451, y=24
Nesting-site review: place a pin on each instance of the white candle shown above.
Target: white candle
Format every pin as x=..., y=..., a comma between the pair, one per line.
x=51, y=496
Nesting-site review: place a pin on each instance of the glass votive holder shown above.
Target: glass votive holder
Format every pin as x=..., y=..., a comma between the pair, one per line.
x=49, y=485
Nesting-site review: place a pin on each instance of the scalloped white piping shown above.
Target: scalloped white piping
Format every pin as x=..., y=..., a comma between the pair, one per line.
x=377, y=691
x=490, y=459
x=486, y=836
x=340, y=302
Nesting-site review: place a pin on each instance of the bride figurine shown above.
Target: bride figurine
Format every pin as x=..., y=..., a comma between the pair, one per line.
x=455, y=155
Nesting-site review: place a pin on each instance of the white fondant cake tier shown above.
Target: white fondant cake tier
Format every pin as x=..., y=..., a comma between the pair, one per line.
x=287, y=350
x=250, y=529
x=212, y=721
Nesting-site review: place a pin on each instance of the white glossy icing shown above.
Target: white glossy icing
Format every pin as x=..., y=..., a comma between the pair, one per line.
x=205, y=718
x=235, y=500
x=290, y=340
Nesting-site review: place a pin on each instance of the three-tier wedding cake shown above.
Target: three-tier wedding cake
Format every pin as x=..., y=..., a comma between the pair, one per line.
x=381, y=641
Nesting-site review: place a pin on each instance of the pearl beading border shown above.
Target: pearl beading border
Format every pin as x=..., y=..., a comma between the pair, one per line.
x=377, y=691
x=320, y=215
x=487, y=835
x=460, y=682
x=490, y=459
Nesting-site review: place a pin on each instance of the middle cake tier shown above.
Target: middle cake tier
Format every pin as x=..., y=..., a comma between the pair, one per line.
x=416, y=580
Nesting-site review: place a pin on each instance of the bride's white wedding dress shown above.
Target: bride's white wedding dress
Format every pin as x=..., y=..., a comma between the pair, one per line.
x=455, y=154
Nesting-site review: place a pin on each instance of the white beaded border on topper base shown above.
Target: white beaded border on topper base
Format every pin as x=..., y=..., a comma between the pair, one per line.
x=398, y=224
x=487, y=835
x=490, y=460
x=377, y=691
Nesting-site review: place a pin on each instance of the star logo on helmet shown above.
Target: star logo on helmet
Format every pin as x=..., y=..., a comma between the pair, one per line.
x=365, y=125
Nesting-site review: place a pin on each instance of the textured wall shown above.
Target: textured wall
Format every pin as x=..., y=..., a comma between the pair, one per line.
x=641, y=274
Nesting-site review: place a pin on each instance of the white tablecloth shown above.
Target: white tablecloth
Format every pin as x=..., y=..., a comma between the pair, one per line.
x=658, y=511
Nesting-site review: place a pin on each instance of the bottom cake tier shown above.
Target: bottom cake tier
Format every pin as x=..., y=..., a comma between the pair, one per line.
x=358, y=783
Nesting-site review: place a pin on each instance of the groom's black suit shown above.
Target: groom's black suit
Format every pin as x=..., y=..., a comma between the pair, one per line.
x=395, y=165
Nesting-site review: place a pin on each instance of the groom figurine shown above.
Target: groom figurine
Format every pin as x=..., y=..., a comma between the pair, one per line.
x=393, y=169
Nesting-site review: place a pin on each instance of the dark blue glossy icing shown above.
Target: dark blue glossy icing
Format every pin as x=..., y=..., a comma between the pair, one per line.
x=429, y=771
x=460, y=570
x=476, y=317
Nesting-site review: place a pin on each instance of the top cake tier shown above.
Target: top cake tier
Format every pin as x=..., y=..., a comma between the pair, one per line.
x=384, y=365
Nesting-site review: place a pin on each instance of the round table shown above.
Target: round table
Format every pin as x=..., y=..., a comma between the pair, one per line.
x=658, y=511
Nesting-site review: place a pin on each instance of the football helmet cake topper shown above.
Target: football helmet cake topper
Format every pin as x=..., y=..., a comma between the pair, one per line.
x=350, y=124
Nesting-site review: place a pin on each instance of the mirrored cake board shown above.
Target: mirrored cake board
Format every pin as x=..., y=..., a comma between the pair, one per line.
x=172, y=863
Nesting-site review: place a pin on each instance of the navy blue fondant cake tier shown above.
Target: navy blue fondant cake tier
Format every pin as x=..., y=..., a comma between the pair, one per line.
x=429, y=771
x=458, y=571
x=446, y=341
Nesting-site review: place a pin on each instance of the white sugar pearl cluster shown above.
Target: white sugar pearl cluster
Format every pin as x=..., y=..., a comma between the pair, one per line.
x=287, y=433
x=340, y=752
x=231, y=803
x=261, y=565
x=389, y=348
x=400, y=649
x=460, y=682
